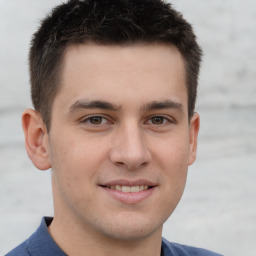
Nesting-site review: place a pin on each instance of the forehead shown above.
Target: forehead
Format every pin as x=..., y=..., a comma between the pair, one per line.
x=141, y=72
x=157, y=56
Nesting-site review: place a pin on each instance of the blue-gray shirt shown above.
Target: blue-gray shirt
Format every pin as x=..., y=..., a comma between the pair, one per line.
x=42, y=244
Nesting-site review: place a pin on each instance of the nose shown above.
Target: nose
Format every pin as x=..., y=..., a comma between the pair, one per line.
x=129, y=149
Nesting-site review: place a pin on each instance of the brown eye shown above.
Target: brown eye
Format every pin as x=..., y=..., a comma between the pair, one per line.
x=96, y=120
x=157, y=120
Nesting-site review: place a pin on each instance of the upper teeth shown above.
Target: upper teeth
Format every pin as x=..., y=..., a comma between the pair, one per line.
x=128, y=189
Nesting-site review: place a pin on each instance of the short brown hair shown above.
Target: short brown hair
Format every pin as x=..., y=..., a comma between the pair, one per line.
x=106, y=22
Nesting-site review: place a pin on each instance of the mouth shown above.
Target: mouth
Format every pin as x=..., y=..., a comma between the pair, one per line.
x=129, y=192
x=129, y=189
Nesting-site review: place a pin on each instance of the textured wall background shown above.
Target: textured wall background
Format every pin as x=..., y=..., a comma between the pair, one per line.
x=218, y=210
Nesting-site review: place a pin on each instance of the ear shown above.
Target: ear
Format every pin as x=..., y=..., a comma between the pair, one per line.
x=36, y=139
x=193, y=134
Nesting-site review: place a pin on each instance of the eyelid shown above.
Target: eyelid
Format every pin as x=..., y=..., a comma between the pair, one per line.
x=88, y=117
x=168, y=118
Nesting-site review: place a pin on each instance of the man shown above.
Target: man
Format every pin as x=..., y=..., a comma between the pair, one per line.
x=114, y=86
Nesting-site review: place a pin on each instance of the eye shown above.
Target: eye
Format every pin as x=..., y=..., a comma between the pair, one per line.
x=95, y=120
x=158, y=120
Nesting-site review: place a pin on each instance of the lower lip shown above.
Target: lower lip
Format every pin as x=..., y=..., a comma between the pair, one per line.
x=129, y=198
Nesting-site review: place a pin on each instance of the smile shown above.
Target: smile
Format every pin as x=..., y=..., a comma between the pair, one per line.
x=129, y=189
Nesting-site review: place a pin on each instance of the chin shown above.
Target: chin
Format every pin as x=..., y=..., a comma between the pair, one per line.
x=131, y=235
x=132, y=229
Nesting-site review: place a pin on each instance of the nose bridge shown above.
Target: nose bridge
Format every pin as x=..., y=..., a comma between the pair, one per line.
x=130, y=148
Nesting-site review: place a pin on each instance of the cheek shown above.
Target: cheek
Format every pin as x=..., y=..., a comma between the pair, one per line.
x=172, y=157
x=175, y=174
x=172, y=152
x=72, y=171
x=75, y=159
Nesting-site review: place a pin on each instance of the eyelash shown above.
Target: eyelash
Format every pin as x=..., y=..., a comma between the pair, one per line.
x=166, y=120
x=90, y=118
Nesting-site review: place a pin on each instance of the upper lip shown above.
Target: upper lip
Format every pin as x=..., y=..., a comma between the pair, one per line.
x=124, y=182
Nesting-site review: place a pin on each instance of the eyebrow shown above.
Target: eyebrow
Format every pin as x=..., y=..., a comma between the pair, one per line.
x=86, y=104
x=167, y=104
x=99, y=104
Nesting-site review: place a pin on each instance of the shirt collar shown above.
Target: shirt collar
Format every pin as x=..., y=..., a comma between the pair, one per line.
x=41, y=243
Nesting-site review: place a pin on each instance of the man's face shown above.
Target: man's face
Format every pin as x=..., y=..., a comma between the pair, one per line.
x=120, y=142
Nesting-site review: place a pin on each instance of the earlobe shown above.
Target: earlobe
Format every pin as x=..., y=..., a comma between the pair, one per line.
x=36, y=139
x=193, y=134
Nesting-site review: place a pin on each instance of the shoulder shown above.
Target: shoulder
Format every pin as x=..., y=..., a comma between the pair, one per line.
x=40, y=243
x=174, y=249
x=21, y=250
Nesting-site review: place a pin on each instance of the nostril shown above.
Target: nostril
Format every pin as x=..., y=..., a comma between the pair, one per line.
x=130, y=166
x=144, y=164
x=120, y=163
